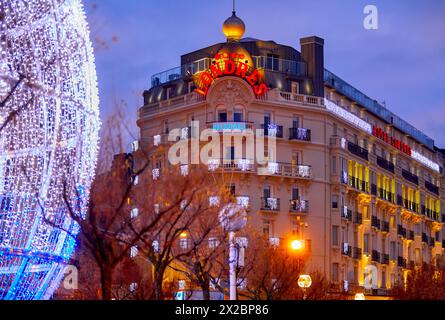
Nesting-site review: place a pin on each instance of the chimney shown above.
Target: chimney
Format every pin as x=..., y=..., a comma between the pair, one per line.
x=312, y=52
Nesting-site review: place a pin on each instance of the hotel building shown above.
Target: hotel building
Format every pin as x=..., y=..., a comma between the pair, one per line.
x=362, y=187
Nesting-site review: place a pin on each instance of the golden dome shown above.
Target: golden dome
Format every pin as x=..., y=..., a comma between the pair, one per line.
x=234, y=28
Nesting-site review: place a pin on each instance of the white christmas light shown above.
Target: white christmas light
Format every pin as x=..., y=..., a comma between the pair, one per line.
x=50, y=146
x=424, y=160
x=348, y=116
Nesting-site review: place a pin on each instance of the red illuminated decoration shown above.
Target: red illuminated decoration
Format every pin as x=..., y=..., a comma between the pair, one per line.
x=382, y=135
x=231, y=64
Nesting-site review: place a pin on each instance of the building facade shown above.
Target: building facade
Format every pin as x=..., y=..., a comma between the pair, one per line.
x=359, y=185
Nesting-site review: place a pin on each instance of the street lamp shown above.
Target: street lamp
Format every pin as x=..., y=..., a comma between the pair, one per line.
x=304, y=282
x=297, y=245
x=359, y=296
x=233, y=218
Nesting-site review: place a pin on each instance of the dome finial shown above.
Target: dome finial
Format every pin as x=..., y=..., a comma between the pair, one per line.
x=234, y=28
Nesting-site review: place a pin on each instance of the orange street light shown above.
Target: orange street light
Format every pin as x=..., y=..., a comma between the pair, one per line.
x=297, y=245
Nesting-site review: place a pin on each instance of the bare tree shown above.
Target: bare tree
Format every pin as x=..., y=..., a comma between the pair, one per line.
x=187, y=227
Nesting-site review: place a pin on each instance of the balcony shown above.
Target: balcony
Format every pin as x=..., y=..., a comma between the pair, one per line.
x=230, y=127
x=300, y=134
x=346, y=214
x=401, y=262
x=373, y=189
x=385, y=195
x=357, y=253
x=410, y=177
x=346, y=250
x=385, y=226
x=432, y=242
x=430, y=214
x=375, y=256
x=358, y=151
x=236, y=165
x=401, y=231
x=385, y=164
x=270, y=204
x=399, y=200
x=385, y=258
x=299, y=206
x=272, y=130
x=288, y=170
x=358, y=184
x=375, y=222
x=358, y=218
x=432, y=188
x=411, y=206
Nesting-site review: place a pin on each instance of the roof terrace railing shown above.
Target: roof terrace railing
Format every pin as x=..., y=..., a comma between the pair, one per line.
x=296, y=68
x=374, y=107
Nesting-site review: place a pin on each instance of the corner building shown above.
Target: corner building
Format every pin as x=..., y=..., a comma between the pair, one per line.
x=358, y=184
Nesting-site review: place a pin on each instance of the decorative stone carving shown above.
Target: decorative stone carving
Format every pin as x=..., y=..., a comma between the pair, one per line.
x=230, y=91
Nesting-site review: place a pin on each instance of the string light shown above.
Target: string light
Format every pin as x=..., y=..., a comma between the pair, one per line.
x=50, y=146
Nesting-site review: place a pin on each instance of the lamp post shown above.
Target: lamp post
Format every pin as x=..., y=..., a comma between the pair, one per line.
x=233, y=217
x=304, y=282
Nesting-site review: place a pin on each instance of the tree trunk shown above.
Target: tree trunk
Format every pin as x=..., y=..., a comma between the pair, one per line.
x=106, y=281
x=205, y=286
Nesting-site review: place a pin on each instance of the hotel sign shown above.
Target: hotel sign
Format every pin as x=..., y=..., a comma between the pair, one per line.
x=382, y=135
x=231, y=64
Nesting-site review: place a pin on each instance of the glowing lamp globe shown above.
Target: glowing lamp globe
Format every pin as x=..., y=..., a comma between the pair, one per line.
x=49, y=123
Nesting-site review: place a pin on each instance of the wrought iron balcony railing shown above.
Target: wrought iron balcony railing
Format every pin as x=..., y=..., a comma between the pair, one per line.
x=358, y=151
x=272, y=130
x=385, y=164
x=299, y=206
x=300, y=134
x=375, y=222
x=410, y=177
x=270, y=204
x=432, y=188
x=385, y=226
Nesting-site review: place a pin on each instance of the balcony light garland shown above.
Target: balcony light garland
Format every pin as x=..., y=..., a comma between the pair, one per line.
x=47, y=65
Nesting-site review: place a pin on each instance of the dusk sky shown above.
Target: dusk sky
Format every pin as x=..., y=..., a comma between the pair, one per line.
x=402, y=63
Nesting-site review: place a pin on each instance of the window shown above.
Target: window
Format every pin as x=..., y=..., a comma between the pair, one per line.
x=238, y=116
x=335, y=129
x=296, y=122
x=231, y=189
x=383, y=246
x=335, y=272
x=266, y=192
x=335, y=202
x=266, y=229
x=335, y=235
x=222, y=116
x=437, y=236
x=392, y=250
x=392, y=222
x=295, y=194
x=133, y=287
x=296, y=230
x=417, y=229
x=267, y=119
x=272, y=62
x=366, y=243
x=393, y=280
x=334, y=165
x=383, y=285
